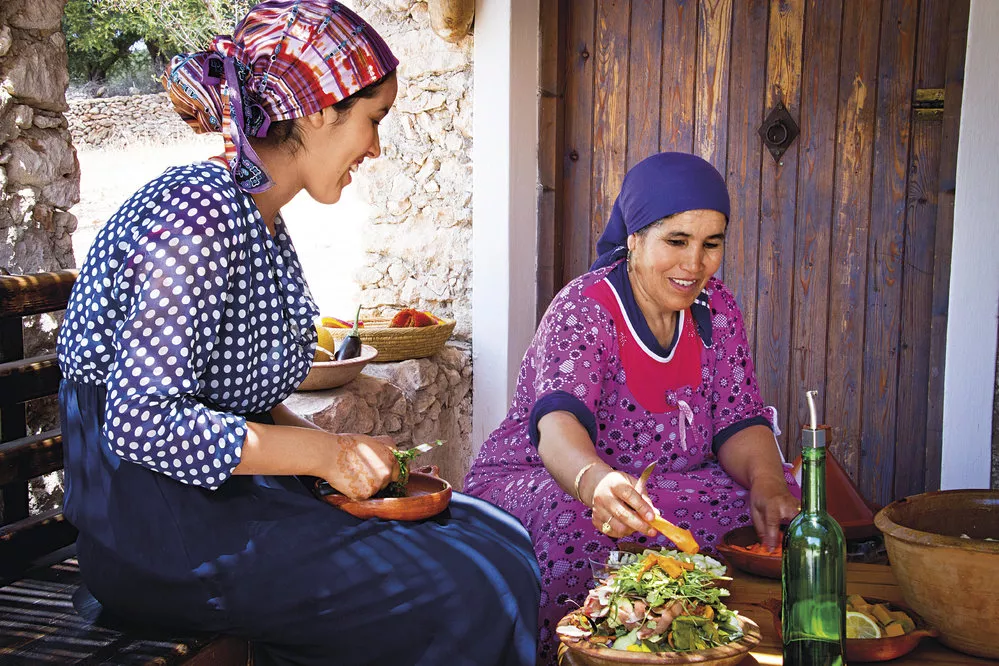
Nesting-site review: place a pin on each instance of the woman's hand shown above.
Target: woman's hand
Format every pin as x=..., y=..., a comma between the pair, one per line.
x=770, y=505
x=619, y=508
x=359, y=466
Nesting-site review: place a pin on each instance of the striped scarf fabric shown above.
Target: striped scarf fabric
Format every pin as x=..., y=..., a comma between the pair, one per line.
x=286, y=59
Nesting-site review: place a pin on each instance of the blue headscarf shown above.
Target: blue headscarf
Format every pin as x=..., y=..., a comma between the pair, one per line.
x=657, y=187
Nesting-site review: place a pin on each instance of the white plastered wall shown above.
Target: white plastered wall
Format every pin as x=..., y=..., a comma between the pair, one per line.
x=969, y=375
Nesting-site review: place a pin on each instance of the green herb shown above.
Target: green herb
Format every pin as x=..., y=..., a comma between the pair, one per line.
x=398, y=488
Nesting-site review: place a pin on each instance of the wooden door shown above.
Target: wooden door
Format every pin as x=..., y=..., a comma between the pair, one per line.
x=839, y=253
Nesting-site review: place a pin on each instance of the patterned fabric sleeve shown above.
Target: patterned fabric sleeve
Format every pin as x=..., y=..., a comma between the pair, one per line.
x=175, y=278
x=735, y=397
x=569, y=357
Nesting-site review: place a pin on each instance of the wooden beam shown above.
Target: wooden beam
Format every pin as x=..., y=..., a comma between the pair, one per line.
x=22, y=295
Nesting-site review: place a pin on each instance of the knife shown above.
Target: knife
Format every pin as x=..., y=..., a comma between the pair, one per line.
x=420, y=449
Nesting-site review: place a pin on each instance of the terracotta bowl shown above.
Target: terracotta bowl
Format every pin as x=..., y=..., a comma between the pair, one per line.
x=875, y=649
x=426, y=495
x=767, y=566
x=331, y=374
x=582, y=651
x=953, y=582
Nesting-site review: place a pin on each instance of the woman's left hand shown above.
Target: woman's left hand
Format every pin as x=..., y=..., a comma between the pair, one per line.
x=771, y=504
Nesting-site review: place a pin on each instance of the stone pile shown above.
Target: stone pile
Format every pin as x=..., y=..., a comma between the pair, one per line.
x=108, y=122
x=415, y=401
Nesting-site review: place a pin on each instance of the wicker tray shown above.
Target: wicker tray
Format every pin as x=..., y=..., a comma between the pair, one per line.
x=399, y=344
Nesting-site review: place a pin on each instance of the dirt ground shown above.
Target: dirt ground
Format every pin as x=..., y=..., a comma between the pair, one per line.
x=328, y=238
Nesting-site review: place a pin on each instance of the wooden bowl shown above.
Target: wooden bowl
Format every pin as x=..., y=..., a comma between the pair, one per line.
x=951, y=581
x=767, y=566
x=872, y=649
x=331, y=374
x=582, y=651
x=426, y=496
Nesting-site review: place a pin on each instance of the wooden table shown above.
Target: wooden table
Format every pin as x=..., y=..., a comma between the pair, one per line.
x=750, y=592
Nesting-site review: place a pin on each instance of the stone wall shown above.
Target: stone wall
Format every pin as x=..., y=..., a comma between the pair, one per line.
x=108, y=122
x=419, y=252
x=39, y=174
x=415, y=401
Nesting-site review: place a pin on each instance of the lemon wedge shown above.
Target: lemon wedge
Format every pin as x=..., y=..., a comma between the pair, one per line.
x=859, y=625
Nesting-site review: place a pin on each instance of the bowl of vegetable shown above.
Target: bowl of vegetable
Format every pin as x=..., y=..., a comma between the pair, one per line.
x=742, y=549
x=423, y=495
x=664, y=608
x=876, y=630
x=944, y=554
x=332, y=374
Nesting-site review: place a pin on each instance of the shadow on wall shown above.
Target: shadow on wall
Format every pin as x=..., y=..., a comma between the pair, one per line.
x=329, y=239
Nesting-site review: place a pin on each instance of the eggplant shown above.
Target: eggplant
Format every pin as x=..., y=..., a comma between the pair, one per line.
x=351, y=345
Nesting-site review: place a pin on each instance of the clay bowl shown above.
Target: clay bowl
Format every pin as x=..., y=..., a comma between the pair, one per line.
x=874, y=649
x=331, y=374
x=584, y=652
x=949, y=580
x=767, y=566
x=426, y=495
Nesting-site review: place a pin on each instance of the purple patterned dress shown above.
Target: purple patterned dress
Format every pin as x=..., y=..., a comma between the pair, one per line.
x=594, y=356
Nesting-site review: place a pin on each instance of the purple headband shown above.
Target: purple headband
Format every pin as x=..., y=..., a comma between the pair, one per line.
x=657, y=187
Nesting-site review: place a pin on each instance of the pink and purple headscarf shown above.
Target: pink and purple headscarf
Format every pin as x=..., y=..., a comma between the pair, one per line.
x=286, y=59
x=657, y=187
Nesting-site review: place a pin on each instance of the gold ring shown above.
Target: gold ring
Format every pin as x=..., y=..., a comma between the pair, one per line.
x=606, y=527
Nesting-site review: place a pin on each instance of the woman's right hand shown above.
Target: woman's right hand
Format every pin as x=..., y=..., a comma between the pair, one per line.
x=620, y=508
x=359, y=465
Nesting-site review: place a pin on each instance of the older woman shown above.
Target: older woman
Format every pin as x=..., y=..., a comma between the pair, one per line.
x=643, y=359
x=189, y=325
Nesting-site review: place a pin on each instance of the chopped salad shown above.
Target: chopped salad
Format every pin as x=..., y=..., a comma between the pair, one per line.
x=663, y=601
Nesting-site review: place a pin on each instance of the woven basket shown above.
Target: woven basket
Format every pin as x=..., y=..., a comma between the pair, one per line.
x=399, y=344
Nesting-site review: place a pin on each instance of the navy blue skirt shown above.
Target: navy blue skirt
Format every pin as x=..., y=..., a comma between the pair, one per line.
x=261, y=558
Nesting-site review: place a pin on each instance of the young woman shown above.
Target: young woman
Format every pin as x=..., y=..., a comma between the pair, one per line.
x=189, y=324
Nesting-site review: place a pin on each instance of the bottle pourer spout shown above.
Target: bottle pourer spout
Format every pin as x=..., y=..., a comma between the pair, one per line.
x=813, y=419
x=813, y=436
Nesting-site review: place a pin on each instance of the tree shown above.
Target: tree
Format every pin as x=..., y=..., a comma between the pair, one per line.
x=184, y=25
x=97, y=39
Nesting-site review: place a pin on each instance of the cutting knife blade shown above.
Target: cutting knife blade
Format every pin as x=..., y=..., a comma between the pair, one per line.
x=429, y=446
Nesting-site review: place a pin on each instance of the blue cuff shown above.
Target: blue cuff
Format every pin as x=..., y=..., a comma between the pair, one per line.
x=560, y=401
x=738, y=426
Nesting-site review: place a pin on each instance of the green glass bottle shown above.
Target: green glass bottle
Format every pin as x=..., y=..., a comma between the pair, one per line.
x=813, y=569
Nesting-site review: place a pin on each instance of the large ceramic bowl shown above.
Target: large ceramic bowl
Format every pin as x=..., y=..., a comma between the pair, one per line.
x=332, y=374
x=950, y=580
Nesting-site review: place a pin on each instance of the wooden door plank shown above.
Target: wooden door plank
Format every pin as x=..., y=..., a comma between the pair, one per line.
x=851, y=224
x=679, y=52
x=747, y=82
x=777, y=210
x=578, y=139
x=551, y=147
x=610, y=109
x=885, y=247
x=644, y=79
x=714, y=43
x=22, y=295
x=813, y=227
x=917, y=279
x=957, y=39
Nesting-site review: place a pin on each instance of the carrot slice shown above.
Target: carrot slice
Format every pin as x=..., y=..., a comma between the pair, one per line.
x=683, y=539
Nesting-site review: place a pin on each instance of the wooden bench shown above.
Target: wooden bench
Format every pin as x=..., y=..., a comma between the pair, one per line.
x=39, y=577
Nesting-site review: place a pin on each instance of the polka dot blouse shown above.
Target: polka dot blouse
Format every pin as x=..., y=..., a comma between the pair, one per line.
x=191, y=315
